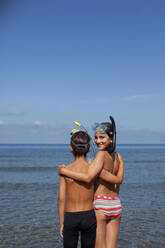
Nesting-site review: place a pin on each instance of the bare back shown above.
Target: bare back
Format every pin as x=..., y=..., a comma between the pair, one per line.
x=79, y=195
x=111, y=164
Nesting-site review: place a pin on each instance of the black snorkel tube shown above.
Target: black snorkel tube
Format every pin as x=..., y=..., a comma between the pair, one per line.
x=112, y=147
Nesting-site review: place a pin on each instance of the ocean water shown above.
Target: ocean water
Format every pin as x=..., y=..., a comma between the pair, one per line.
x=29, y=190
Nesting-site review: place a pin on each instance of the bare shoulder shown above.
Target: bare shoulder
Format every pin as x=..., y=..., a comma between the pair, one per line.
x=70, y=166
x=101, y=154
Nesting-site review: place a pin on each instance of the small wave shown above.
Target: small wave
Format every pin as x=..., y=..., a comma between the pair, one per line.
x=138, y=186
x=34, y=186
x=145, y=161
x=15, y=156
x=23, y=169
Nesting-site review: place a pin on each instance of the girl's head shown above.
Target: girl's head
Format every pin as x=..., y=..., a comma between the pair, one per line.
x=105, y=135
x=80, y=143
x=104, y=127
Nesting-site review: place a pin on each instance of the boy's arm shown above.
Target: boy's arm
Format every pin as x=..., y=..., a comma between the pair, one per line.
x=94, y=169
x=61, y=203
x=109, y=177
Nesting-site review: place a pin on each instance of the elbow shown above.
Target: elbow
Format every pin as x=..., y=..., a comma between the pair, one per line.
x=88, y=179
x=61, y=201
x=120, y=181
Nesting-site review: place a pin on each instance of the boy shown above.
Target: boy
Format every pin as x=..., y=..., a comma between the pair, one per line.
x=75, y=199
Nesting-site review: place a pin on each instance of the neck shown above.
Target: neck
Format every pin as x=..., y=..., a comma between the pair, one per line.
x=81, y=158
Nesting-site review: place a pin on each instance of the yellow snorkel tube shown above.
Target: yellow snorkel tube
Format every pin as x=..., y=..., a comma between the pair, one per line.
x=76, y=123
x=74, y=131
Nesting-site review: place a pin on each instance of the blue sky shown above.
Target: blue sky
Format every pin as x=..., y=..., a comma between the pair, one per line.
x=81, y=60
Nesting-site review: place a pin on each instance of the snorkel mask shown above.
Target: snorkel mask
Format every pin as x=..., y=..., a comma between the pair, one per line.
x=110, y=129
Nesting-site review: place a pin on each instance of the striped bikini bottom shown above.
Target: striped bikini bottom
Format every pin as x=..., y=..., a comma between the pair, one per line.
x=110, y=206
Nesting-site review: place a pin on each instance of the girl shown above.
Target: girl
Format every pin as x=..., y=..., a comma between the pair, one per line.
x=107, y=169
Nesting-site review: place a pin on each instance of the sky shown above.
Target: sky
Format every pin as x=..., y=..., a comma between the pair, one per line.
x=63, y=61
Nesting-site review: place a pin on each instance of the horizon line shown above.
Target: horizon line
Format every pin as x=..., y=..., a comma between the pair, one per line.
x=69, y=144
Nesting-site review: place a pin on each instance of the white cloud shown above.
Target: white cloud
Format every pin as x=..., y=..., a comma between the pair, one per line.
x=12, y=111
x=37, y=123
x=135, y=97
x=2, y=123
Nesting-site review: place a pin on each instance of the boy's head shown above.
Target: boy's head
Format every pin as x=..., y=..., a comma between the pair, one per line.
x=80, y=143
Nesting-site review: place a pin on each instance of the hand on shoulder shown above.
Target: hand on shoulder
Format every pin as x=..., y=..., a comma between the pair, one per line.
x=60, y=168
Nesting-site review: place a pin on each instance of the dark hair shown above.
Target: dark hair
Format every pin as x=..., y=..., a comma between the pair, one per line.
x=80, y=142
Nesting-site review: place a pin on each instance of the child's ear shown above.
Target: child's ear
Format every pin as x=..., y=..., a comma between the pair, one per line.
x=71, y=149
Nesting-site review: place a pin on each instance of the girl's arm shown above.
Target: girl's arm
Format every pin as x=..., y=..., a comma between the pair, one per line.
x=94, y=169
x=109, y=177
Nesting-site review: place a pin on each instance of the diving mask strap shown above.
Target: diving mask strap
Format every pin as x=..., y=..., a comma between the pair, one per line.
x=80, y=146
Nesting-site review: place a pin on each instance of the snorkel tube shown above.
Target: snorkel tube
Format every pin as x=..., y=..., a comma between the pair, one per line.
x=112, y=147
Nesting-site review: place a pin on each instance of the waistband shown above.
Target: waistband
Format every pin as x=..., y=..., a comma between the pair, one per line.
x=106, y=197
x=80, y=212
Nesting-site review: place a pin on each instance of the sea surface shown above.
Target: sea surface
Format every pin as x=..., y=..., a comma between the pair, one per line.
x=29, y=189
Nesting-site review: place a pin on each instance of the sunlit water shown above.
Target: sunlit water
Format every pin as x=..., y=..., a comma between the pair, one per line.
x=29, y=189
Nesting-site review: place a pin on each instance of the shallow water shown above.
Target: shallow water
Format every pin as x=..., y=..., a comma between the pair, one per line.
x=29, y=188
